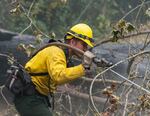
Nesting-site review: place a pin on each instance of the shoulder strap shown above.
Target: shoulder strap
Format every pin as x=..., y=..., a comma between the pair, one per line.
x=39, y=74
x=50, y=43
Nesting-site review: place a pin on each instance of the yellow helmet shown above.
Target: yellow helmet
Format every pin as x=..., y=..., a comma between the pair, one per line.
x=83, y=32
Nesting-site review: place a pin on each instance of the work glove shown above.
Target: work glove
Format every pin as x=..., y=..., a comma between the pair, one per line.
x=87, y=59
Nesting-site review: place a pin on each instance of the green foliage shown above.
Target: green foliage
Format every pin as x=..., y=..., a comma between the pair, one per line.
x=103, y=26
x=120, y=29
x=56, y=16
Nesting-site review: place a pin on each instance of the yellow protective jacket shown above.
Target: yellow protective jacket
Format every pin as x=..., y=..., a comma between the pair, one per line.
x=52, y=60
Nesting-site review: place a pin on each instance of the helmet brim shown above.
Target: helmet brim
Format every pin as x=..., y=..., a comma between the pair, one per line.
x=88, y=42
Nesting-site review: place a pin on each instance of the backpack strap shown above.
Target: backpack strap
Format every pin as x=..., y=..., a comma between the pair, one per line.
x=51, y=41
x=39, y=74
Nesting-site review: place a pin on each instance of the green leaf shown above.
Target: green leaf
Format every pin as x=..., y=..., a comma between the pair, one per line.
x=53, y=35
x=121, y=24
x=39, y=38
x=130, y=27
x=116, y=34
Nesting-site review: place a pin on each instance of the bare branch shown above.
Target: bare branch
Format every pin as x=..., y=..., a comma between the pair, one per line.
x=80, y=95
x=126, y=101
x=126, y=36
x=91, y=86
x=106, y=81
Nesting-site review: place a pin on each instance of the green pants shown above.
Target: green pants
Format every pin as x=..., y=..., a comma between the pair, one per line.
x=33, y=105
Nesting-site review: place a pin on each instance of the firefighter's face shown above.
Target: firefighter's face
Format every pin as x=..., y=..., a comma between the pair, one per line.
x=78, y=44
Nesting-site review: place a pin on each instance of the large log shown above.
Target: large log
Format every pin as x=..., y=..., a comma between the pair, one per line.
x=6, y=35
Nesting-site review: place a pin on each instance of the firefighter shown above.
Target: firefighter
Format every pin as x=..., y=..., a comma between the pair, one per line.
x=48, y=69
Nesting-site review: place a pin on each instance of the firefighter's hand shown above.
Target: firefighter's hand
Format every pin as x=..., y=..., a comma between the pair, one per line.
x=87, y=59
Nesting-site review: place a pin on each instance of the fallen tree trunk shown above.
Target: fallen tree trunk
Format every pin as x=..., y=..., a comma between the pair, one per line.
x=73, y=92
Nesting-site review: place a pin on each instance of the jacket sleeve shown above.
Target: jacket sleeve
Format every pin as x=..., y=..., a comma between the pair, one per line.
x=57, y=68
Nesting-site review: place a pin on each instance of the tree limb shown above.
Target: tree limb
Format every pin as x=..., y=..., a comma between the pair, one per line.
x=126, y=36
x=80, y=95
